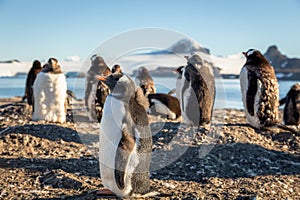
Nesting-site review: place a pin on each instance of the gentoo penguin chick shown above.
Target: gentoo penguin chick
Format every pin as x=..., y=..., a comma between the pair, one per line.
x=125, y=139
x=50, y=93
x=259, y=89
x=291, y=114
x=98, y=68
x=164, y=105
x=116, y=69
x=197, y=91
x=145, y=81
x=35, y=69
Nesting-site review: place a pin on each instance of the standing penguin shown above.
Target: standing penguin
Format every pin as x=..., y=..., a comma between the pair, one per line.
x=259, y=88
x=197, y=91
x=145, y=81
x=35, y=69
x=179, y=72
x=125, y=139
x=50, y=93
x=98, y=68
x=291, y=114
x=102, y=91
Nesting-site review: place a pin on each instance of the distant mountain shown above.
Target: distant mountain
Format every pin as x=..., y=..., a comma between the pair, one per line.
x=10, y=61
x=285, y=67
x=159, y=72
x=187, y=46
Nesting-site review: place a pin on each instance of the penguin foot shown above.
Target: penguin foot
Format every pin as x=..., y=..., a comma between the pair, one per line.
x=105, y=192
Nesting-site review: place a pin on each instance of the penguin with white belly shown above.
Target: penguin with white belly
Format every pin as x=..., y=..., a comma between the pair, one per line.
x=291, y=114
x=197, y=91
x=98, y=68
x=179, y=72
x=260, y=91
x=125, y=139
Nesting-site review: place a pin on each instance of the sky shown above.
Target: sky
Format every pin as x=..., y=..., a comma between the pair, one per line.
x=39, y=29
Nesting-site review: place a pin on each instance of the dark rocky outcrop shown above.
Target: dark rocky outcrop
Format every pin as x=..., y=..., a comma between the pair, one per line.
x=286, y=68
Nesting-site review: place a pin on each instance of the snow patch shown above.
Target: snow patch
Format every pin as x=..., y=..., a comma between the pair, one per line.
x=284, y=64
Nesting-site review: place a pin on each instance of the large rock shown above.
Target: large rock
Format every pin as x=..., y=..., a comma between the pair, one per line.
x=285, y=67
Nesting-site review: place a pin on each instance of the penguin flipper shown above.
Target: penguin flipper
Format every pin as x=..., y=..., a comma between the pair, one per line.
x=282, y=101
x=125, y=148
x=251, y=92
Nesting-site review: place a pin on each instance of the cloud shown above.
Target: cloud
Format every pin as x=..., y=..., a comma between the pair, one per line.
x=72, y=59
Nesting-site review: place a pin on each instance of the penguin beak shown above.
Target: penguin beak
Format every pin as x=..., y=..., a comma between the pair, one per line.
x=245, y=54
x=101, y=78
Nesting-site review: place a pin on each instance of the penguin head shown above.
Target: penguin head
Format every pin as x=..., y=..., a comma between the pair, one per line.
x=97, y=60
x=52, y=66
x=116, y=69
x=122, y=86
x=99, y=66
x=179, y=71
x=254, y=57
x=195, y=60
x=143, y=72
x=296, y=87
x=36, y=65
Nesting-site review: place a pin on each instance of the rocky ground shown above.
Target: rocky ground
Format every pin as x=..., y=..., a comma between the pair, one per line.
x=40, y=160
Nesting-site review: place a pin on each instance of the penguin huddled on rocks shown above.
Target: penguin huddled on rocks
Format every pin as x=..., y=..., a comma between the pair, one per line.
x=125, y=139
x=260, y=93
x=291, y=114
x=50, y=93
x=197, y=91
x=34, y=70
x=164, y=105
x=145, y=81
x=98, y=68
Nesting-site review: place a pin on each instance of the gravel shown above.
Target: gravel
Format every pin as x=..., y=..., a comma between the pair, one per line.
x=230, y=160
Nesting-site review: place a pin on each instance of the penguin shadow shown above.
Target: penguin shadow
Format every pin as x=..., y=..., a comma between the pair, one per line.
x=280, y=135
x=234, y=160
x=46, y=131
x=235, y=125
x=77, y=115
x=163, y=131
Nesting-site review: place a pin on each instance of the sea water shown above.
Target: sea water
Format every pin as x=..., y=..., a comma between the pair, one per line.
x=228, y=94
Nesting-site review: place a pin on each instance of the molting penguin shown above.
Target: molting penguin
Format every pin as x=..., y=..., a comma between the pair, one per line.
x=125, y=139
x=98, y=68
x=35, y=69
x=145, y=81
x=164, y=105
x=197, y=91
x=259, y=90
x=291, y=114
x=50, y=93
x=102, y=91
